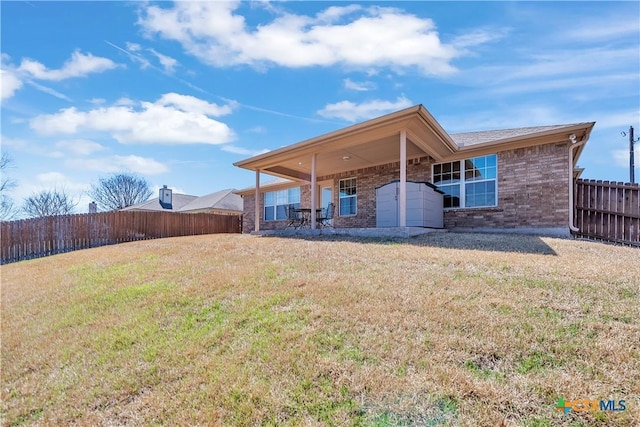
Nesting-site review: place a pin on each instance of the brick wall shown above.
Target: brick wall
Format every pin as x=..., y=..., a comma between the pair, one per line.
x=532, y=192
x=248, y=224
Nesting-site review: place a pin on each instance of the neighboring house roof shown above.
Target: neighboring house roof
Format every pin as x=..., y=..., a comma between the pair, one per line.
x=177, y=202
x=377, y=141
x=224, y=200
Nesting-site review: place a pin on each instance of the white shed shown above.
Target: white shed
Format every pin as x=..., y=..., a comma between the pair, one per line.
x=424, y=205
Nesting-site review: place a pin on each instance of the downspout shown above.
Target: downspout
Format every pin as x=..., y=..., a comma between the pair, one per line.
x=574, y=144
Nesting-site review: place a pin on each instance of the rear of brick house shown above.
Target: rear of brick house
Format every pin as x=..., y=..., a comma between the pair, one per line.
x=507, y=179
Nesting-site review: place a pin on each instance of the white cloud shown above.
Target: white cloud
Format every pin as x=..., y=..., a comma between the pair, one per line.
x=567, y=83
x=257, y=129
x=352, y=112
x=479, y=37
x=599, y=29
x=30, y=147
x=193, y=104
x=82, y=147
x=111, y=164
x=18, y=120
x=124, y=101
x=373, y=37
x=133, y=47
x=167, y=62
x=48, y=181
x=553, y=63
x=621, y=158
x=358, y=86
x=173, y=119
x=620, y=120
x=242, y=151
x=9, y=84
x=333, y=13
x=131, y=51
x=54, y=181
x=515, y=116
x=51, y=178
x=143, y=165
x=97, y=101
x=78, y=65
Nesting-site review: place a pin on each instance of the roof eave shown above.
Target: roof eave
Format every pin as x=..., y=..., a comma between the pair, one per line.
x=581, y=130
x=256, y=162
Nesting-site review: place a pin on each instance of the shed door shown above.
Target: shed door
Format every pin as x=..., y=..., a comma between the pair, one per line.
x=387, y=206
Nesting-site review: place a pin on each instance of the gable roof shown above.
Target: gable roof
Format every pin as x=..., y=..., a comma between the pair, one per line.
x=479, y=137
x=177, y=201
x=376, y=141
x=225, y=200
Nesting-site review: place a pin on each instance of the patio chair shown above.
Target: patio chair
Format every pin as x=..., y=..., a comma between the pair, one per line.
x=294, y=217
x=326, y=216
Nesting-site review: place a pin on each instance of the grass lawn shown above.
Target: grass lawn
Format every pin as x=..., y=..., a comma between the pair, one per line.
x=440, y=330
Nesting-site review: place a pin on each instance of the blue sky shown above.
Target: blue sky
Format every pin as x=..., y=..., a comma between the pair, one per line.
x=177, y=92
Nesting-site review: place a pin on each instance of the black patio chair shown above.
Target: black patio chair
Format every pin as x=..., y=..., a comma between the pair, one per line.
x=325, y=216
x=294, y=217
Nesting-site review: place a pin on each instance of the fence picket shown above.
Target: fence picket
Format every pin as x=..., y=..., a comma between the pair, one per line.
x=38, y=237
x=608, y=211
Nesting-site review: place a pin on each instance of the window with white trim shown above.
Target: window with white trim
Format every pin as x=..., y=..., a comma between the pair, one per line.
x=469, y=183
x=347, y=197
x=276, y=203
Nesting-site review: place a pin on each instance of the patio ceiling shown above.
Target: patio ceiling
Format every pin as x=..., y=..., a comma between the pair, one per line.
x=370, y=143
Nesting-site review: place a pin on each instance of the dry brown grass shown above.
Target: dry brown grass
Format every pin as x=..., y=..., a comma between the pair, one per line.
x=446, y=329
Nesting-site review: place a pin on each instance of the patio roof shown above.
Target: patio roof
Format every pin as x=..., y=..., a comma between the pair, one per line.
x=375, y=142
x=362, y=145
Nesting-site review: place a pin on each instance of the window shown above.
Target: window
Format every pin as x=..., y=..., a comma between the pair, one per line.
x=447, y=177
x=276, y=202
x=468, y=183
x=348, y=197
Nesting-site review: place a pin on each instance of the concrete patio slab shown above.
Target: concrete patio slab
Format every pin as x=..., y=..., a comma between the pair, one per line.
x=399, y=232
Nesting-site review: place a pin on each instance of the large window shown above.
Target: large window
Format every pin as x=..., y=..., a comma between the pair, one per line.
x=276, y=202
x=347, y=197
x=469, y=183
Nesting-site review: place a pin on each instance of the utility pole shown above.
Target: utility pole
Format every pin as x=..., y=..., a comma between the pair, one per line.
x=631, y=160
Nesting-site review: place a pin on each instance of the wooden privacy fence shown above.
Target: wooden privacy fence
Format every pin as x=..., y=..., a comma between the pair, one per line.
x=608, y=211
x=38, y=237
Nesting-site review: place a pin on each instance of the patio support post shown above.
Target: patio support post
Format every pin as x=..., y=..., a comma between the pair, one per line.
x=256, y=226
x=403, y=178
x=313, y=191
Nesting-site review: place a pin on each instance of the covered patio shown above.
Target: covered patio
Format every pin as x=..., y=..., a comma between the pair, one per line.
x=398, y=137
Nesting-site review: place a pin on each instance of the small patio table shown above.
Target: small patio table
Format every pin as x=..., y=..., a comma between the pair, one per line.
x=305, y=216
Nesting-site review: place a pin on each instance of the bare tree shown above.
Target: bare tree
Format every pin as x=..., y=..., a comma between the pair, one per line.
x=47, y=203
x=8, y=210
x=119, y=191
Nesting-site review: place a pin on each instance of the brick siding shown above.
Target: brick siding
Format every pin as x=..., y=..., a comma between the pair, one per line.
x=532, y=192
